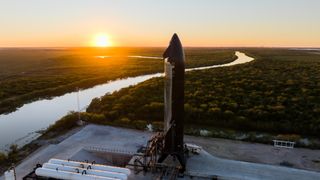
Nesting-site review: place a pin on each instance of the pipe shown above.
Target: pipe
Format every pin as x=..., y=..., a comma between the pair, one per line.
x=45, y=172
x=93, y=166
x=89, y=171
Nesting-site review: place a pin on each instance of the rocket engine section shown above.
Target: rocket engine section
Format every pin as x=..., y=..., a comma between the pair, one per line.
x=174, y=66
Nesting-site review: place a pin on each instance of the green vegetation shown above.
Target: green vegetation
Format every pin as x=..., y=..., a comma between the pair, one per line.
x=69, y=122
x=61, y=126
x=274, y=97
x=15, y=155
x=286, y=163
x=29, y=74
x=278, y=93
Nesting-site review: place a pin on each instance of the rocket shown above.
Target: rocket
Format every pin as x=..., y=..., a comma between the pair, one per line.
x=174, y=101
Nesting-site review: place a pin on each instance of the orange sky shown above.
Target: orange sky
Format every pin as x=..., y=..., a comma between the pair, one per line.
x=46, y=23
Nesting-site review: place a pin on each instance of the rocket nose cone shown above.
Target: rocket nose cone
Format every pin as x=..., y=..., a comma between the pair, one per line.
x=175, y=38
x=174, y=51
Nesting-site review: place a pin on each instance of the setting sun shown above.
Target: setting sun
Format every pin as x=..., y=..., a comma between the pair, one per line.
x=101, y=40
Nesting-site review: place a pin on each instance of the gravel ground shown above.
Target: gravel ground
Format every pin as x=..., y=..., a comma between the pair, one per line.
x=259, y=153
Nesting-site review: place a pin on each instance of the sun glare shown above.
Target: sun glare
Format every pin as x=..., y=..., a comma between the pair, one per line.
x=102, y=40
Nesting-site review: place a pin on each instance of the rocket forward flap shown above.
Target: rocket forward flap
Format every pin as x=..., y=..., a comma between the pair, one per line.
x=174, y=52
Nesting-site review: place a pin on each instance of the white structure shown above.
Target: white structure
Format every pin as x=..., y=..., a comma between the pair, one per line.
x=44, y=172
x=150, y=127
x=194, y=148
x=63, y=169
x=87, y=171
x=10, y=175
x=204, y=132
x=93, y=166
x=283, y=144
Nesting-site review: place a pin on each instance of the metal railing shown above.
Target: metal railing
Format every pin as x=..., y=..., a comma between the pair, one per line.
x=109, y=150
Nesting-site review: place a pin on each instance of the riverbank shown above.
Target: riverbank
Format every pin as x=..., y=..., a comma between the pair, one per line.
x=34, y=147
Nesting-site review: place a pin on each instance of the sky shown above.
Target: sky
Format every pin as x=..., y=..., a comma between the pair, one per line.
x=214, y=23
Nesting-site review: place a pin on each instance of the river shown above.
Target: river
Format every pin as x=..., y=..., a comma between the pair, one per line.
x=21, y=126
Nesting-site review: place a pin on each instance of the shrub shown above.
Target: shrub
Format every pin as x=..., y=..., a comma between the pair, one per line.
x=286, y=163
x=93, y=118
x=3, y=158
x=13, y=153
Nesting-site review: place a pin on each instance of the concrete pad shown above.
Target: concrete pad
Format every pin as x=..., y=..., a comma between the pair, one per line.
x=128, y=140
x=205, y=164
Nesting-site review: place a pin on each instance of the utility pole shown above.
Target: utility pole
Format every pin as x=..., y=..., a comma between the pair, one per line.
x=79, y=110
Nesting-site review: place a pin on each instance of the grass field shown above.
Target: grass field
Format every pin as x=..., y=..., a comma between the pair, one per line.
x=29, y=74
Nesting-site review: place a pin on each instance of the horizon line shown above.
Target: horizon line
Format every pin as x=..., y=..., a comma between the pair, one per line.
x=48, y=47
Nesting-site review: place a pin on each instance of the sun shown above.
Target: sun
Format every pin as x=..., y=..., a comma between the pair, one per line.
x=101, y=40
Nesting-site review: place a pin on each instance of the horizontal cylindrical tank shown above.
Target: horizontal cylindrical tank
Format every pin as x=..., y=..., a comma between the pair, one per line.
x=45, y=172
x=88, y=171
x=9, y=175
x=93, y=166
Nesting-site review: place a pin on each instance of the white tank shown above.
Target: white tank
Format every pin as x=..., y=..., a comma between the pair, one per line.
x=9, y=175
x=44, y=172
x=88, y=171
x=93, y=166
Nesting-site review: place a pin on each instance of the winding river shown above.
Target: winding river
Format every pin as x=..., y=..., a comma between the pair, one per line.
x=20, y=127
